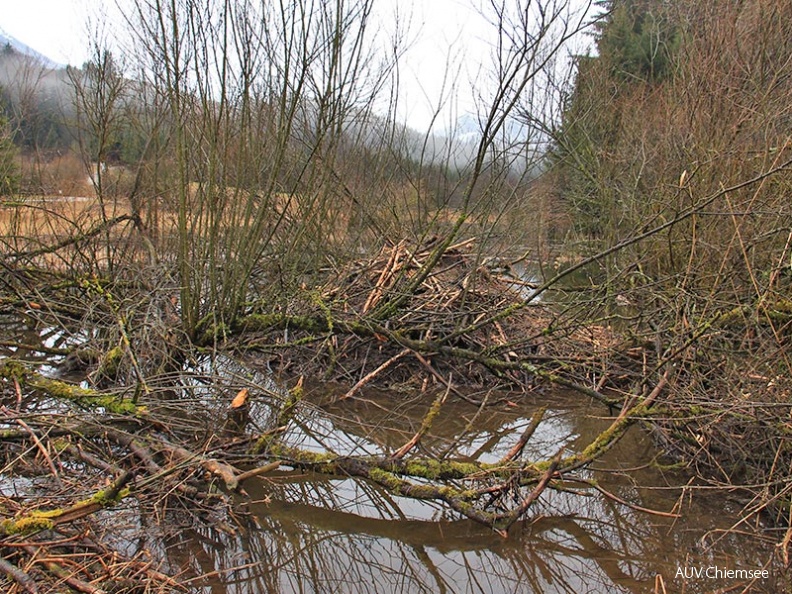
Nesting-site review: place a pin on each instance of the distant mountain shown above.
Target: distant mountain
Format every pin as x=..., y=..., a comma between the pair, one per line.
x=466, y=128
x=7, y=40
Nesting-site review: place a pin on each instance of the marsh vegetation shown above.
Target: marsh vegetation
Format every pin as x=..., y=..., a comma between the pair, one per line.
x=242, y=302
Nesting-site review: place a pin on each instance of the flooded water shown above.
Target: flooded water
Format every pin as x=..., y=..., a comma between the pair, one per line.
x=293, y=531
x=307, y=533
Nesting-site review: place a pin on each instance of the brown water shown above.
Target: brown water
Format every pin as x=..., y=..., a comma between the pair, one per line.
x=308, y=533
x=298, y=532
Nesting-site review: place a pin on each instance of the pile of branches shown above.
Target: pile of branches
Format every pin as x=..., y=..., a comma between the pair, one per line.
x=729, y=410
x=401, y=317
x=436, y=316
x=97, y=470
x=66, y=516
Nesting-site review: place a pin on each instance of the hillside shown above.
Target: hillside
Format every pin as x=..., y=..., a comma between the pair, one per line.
x=10, y=43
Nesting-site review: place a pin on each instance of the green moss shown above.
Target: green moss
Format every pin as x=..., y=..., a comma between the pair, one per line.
x=103, y=498
x=408, y=489
x=9, y=434
x=111, y=362
x=315, y=459
x=287, y=411
x=32, y=522
x=783, y=305
x=439, y=470
x=27, y=525
x=464, y=507
x=262, y=445
x=111, y=403
x=60, y=444
x=599, y=446
x=777, y=316
x=460, y=496
x=418, y=491
x=316, y=299
x=275, y=321
x=262, y=322
x=386, y=479
x=58, y=389
x=13, y=369
x=208, y=332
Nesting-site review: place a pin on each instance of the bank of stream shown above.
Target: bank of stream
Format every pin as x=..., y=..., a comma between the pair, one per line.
x=292, y=530
x=417, y=420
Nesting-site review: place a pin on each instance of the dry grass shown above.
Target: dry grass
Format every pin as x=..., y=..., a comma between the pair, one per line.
x=35, y=223
x=54, y=175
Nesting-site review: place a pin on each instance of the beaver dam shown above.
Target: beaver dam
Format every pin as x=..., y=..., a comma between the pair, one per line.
x=419, y=420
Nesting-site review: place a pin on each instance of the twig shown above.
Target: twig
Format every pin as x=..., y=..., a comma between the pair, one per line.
x=257, y=471
x=101, y=500
x=369, y=376
x=426, y=424
x=18, y=390
x=39, y=445
x=526, y=503
x=61, y=573
x=442, y=380
x=19, y=576
x=619, y=500
x=527, y=434
x=74, y=240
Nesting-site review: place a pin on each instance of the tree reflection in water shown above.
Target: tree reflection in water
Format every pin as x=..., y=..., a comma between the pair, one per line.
x=306, y=533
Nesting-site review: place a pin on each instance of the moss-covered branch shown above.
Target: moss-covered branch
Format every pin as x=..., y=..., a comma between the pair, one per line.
x=11, y=369
x=439, y=479
x=37, y=520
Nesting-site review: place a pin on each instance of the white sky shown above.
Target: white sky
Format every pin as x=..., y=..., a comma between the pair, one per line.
x=447, y=44
x=55, y=28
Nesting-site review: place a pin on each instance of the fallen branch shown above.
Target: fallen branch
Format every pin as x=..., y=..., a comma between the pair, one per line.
x=426, y=424
x=98, y=229
x=14, y=370
x=36, y=520
x=371, y=375
x=518, y=447
x=508, y=520
x=62, y=574
x=19, y=576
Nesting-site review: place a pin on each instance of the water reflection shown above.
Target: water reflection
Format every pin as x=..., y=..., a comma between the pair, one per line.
x=294, y=532
x=306, y=533
x=299, y=547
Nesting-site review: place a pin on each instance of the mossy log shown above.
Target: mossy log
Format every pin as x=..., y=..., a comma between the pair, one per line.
x=37, y=520
x=776, y=312
x=439, y=479
x=11, y=369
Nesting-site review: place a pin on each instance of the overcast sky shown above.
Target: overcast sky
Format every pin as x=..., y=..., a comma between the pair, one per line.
x=448, y=42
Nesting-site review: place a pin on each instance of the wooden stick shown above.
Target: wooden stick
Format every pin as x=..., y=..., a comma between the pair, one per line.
x=369, y=376
x=59, y=572
x=533, y=496
x=19, y=576
x=387, y=273
x=442, y=380
x=426, y=424
x=38, y=444
x=527, y=434
x=257, y=471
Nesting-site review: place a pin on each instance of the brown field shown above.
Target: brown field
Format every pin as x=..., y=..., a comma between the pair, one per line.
x=34, y=225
